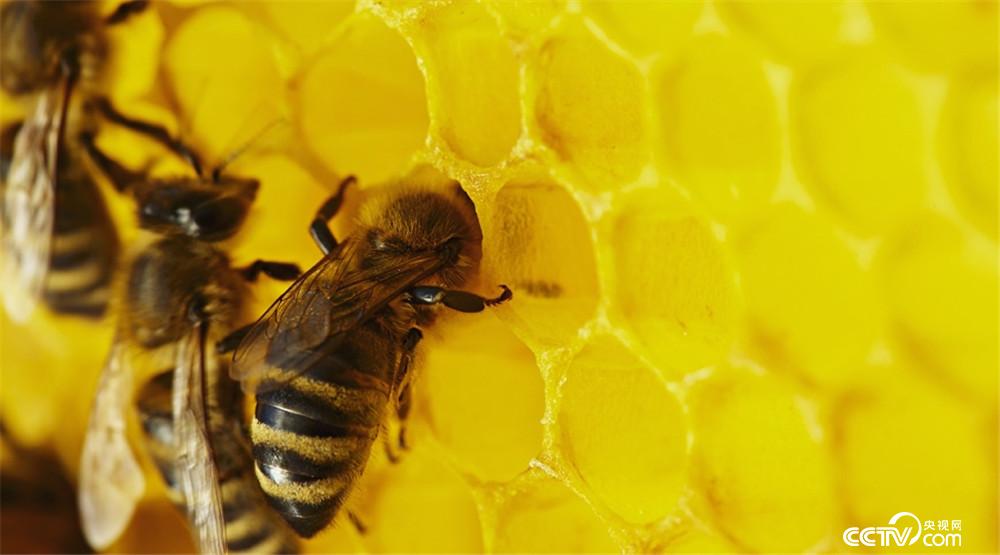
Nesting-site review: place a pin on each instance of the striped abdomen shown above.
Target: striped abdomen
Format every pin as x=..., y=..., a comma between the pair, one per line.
x=251, y=525
x=84, y=248
x=312, y=437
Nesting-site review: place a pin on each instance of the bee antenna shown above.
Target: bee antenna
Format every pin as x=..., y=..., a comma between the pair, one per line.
x=217, y=171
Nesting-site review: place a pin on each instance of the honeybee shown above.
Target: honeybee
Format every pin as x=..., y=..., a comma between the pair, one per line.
x=179, y=295
x=59, y=242
x=333, y=352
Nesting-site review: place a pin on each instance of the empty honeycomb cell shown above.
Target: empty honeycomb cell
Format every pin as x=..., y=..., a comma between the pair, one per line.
x=546, y=517
x=812, y=309
x=538, y=242
x=968, y=145
x=940, y=36
x=624, y=432
x=719, y=125
x=361, y=105
x=472, y=67
x=795, y=32
x=764, y=478
x=589, y=108
x=858, y=136
x=228, y=93
x=908, y=446
x=645, y=28
x=421, y=506
x=674, y=287
x=484, y=395
x=941, y=287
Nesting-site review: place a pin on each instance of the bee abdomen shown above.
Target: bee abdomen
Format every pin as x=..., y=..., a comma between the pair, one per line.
x=251, y=527
x=84, y=251
x=154, y=406
x=311, y=439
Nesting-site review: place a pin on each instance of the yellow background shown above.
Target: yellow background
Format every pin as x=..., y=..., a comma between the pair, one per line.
x=753, y=247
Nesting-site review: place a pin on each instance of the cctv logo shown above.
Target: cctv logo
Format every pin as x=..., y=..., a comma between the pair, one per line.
x=901, y=533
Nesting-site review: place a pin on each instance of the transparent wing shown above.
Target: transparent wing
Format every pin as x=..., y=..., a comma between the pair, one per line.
x=196, y=473
x=314, y=315
x=111, y=480
x=28, y=206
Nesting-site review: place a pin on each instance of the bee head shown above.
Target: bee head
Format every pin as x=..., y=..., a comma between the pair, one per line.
x=404, y=220
x=211, y=211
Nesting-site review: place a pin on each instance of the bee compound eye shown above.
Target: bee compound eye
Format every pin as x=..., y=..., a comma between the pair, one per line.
x=218, y=216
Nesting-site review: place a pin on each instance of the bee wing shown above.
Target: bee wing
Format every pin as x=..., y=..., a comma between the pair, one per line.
x=28, y=206
x=313, y=316
x=111, y=480
x=195, y=465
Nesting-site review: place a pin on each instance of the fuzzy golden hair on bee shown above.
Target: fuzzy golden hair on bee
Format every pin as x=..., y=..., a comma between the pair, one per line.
x=407, y=217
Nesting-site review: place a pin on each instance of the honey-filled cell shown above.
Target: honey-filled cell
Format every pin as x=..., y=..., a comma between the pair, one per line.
x=646, y=28
x=419, y=506
x=968, y=147
x=858, y=140
x=674, y=285
x=361, y=105
x=524, y=19
x=763, y=476
x=483, y=393
x=226, y=94
x=940, y=284
x=590, y=108
x=546, y=517
x=134, y=56
x=719, y=123
x=803, y=285
x=539, y=243
x=798, y=33
x=624, y=432
x=472, y=67
x=939, y=36
x=308, y=25
x=906, y=443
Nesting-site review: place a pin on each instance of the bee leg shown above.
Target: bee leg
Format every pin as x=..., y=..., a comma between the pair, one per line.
x=403, y=413
x=359, y=524
x=120, y=176
x=320, y=228
x=229, y=343
x=283, y=271
x=401, y=387
x=462, y=301
x=151, y=130
x=125, y=10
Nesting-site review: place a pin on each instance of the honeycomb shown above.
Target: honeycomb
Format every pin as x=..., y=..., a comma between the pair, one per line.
x=753, y=248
